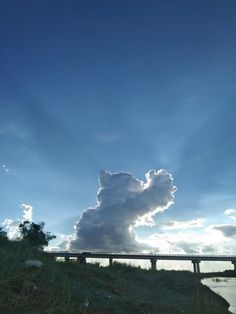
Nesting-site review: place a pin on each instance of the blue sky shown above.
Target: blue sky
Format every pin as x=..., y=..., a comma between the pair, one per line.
x=127, y=87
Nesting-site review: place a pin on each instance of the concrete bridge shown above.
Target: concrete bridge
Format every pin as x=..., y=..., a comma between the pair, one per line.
x=153, y=258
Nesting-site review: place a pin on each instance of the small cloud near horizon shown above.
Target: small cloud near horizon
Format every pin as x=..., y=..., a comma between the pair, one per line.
x=173, y=224
x=231, y=213
x=12, y=226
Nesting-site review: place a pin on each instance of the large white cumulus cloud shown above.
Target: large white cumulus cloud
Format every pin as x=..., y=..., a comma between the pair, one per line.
x=121, y=201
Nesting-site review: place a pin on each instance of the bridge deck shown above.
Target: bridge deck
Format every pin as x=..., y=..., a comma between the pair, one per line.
x=179, y=257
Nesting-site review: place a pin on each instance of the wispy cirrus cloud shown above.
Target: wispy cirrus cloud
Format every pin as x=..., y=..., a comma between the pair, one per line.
x=5, y=169
x=231, y=213
x=174, y=224
x=107, y=138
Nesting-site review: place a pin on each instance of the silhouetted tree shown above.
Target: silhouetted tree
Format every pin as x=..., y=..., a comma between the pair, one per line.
x=33, y=233
x=3, y=234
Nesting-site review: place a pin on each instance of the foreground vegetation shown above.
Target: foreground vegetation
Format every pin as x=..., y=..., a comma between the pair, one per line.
x=60, y=287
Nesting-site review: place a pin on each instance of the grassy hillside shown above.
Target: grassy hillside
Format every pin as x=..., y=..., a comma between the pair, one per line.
x=70, y=288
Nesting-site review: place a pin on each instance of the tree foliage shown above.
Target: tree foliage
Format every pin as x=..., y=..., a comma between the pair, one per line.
x=3, y=234
x=33, y=233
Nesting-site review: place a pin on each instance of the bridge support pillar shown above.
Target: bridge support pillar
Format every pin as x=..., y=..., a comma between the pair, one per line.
x=110, y=261
x=196, y=267
x=67, y=258
x=234, y=263
x=153, y=263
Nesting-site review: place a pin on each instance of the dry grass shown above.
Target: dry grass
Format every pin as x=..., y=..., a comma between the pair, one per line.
x=68, y=288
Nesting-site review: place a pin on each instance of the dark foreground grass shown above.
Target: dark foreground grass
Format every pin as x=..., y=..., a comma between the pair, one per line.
x=70, y=288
